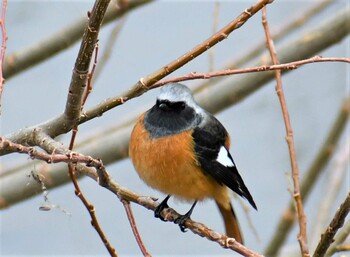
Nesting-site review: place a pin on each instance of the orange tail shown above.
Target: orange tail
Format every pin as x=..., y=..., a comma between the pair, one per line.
x=231, y=223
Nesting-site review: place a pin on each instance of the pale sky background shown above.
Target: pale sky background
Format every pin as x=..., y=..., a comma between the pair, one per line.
x=152, y=37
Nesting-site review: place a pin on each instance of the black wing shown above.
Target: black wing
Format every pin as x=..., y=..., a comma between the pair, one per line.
x=209, y=141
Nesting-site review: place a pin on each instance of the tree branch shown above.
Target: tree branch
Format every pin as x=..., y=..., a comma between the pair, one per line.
x=339, y=239
x=134, y=229
x=262, y=68
x=32, y=55
x=99, y=174
x=145, y=84
x=326, y=34
x=287, y=219
x=226, y=95
x=91, y=210
x=59, y=125
x=291, y=25
x=81, y=68
x=81, y=81
x=336, y=223
x=302, y=237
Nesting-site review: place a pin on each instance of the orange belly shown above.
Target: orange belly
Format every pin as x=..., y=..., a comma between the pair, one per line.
x=169, y=165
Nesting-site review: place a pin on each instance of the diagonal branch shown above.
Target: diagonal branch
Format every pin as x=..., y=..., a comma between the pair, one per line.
x=339, y=240
x=227, y=95
x=81, y=79
x=336, y=223
x=32, y=55
x=94, y=169
x=63, y=123
x=231, y=92
x=145, y=84
x=290, y=26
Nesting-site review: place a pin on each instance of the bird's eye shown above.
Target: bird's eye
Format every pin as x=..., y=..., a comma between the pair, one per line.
x=178, y=105
x=167, y=105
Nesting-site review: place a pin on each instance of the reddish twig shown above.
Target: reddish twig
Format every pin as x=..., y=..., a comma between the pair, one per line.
x=33, y=153
x=89, y=207
x=134, y=228
x=311, y=176
x=90, y=76
x=102, y=177
x=91, y=210
x=3, y=47
x=146, y=83
x=124, y=194
x=302, y=237
x=76, y=101
x=72, y=140
x=262, y=68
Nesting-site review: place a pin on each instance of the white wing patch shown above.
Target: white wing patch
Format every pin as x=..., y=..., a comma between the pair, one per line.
x=223, y=158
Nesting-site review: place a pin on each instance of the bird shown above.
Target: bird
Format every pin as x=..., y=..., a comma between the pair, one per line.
x=182, y=150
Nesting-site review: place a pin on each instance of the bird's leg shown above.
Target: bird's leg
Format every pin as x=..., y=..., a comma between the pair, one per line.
x=182, y=219
x=163, y=205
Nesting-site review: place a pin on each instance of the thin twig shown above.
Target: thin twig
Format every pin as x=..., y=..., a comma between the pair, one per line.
x=262, y=68
x=336, y=223
x=316, y=168
x=226, y=94
x=146, y=83
x=134, y=228
x=90, y=77
x=33, y=153
x=3, y=47
x=99, y=174
x=170, y=214
x=302, y=237
x=91, y=210
x=321, y=37
x=60, y=40
x=75, y=101
x=292, y=24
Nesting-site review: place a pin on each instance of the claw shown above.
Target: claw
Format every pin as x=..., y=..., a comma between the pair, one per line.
x=163, y=205
x=181, y=220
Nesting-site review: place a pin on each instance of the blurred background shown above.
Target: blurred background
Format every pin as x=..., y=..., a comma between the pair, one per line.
x=152, y=36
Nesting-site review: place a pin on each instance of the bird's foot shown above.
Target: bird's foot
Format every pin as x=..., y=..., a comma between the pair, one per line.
x=181, y=220
x=163, y=205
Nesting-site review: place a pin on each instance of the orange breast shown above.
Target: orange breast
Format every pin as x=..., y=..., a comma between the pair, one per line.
x=169, y=164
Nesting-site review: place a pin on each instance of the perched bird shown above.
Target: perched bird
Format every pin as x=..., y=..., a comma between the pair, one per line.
x=180, y=149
